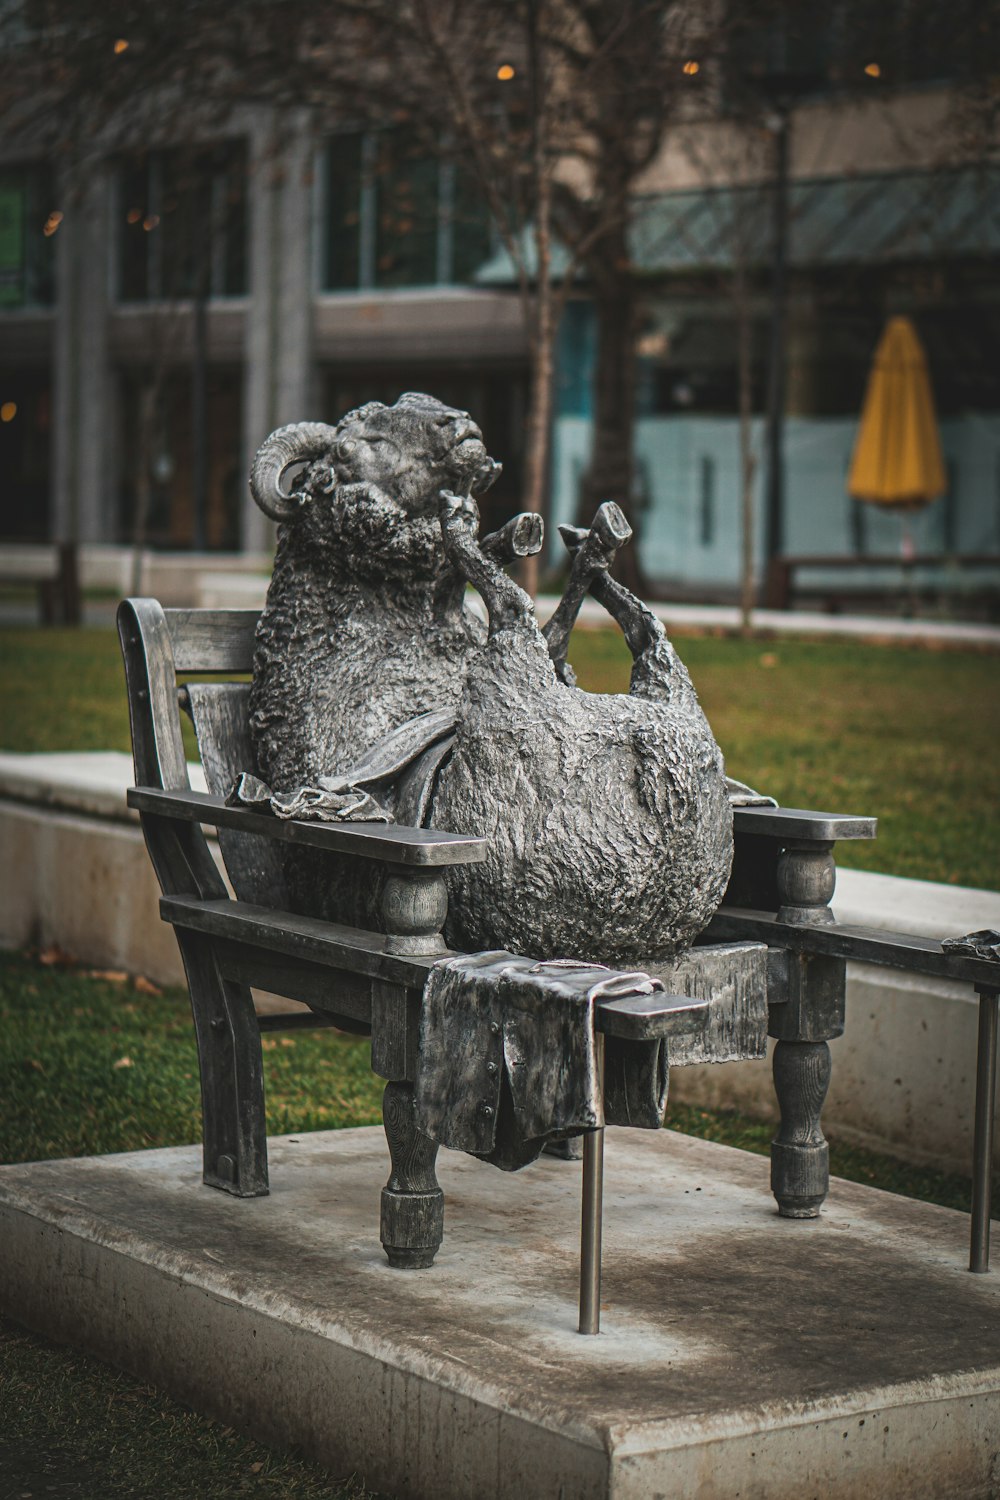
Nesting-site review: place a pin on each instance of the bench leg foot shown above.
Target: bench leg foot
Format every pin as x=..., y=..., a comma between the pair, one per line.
x=412, y=1225
x=800, y=1156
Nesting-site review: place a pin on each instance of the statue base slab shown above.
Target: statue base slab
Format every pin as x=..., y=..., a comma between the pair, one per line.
x=740, y=1352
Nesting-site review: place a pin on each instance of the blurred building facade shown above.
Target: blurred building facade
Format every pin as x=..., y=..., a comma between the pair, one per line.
x=292, y=278
x=159, y=320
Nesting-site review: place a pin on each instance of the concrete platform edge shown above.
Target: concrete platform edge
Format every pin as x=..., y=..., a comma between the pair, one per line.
x=266, y=1366
x=308, y=1391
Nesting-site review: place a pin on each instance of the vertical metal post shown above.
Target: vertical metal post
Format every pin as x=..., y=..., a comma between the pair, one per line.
x=591, y=1217
x=982, y=1156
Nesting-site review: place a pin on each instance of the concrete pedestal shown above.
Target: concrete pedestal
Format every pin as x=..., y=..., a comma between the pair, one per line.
x=742, y=1354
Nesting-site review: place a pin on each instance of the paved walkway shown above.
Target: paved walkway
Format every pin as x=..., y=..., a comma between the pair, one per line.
x=804, y=622
x=707, y=617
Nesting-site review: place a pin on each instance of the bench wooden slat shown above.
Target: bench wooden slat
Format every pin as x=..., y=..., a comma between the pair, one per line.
x=212, y=640
x=356, y=951
x=424, y=847
x=897, y=950
x=352, y=949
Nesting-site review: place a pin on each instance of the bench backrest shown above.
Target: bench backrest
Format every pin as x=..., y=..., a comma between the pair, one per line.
x=160, y=644
x=211, y=640
x=157, y=644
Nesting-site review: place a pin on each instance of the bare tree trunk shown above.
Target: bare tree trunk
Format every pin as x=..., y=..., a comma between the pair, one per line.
x=611, y=464
x=538, y=437
x=144, y=478
x=542, y=340
x=199, y=418
x=748, y=462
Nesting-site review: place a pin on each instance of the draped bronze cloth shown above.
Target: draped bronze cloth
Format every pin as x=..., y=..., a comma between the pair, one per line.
x=507, y=1057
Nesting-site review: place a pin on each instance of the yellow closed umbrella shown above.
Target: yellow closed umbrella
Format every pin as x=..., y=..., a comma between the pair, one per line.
x=897, y=456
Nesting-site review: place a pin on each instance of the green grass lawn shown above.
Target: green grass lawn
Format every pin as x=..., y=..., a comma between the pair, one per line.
x=904, y=733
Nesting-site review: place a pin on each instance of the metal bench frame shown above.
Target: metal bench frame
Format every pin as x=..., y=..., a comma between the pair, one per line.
x=368, y=982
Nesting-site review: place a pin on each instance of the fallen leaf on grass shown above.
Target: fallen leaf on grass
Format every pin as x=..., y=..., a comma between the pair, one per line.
x=54, y=955
x=146, y=986
x=286, y=1041
x=124, y=1062
x=256, y=1468
x=110, y=976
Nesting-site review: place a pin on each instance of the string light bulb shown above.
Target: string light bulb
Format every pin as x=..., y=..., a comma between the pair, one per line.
x=52, y=223
x=873, y=70
x=8, y=411
x=505, y=72
x=691, y=67
x=150, y=222
x=121, y=45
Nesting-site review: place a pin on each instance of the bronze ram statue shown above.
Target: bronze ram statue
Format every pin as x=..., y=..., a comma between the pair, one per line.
x=378, y=692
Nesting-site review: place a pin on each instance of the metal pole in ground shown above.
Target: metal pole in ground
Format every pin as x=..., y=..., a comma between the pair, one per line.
x=593, y=1205
x=982, y=1155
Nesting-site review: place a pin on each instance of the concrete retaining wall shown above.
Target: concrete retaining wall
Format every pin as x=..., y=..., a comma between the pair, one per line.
x=74, y=873
x=172, y=577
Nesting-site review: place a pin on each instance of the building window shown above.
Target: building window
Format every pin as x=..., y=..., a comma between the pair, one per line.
x=182, y=224
x=706, y=501
x=797, y=51
x=29, y=219
x=396, y=217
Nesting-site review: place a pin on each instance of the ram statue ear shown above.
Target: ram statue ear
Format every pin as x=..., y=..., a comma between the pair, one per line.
x=301, y=442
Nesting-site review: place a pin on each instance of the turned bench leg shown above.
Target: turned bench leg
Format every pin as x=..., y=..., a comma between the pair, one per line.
x=412, y=1221
x=800, y=1156
x=810, y=1015
x=414, y=906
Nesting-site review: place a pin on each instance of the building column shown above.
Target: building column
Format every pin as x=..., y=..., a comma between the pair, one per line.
x=83, y=500
x=278, y=371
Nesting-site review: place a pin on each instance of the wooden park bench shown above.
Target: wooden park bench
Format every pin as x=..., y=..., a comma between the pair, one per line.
x=784, y=573
x=373, y=982
x=51, y=567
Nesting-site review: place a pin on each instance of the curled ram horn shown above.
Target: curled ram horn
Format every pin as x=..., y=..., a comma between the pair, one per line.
x=295, y=444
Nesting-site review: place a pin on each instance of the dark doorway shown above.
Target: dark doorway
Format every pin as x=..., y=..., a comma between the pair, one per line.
x=171, y=522
x=25, y=453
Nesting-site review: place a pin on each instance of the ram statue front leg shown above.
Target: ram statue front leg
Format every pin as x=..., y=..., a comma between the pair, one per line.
x=657, y=670
x=481, y=562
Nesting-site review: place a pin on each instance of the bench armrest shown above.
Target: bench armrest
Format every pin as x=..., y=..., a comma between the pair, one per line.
x=644, y=1018
x=798, y=824
x=871, y=945
x=419, y=847
x=766, y=837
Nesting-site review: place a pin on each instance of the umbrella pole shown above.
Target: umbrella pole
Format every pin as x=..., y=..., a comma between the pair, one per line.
x=909, y=601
